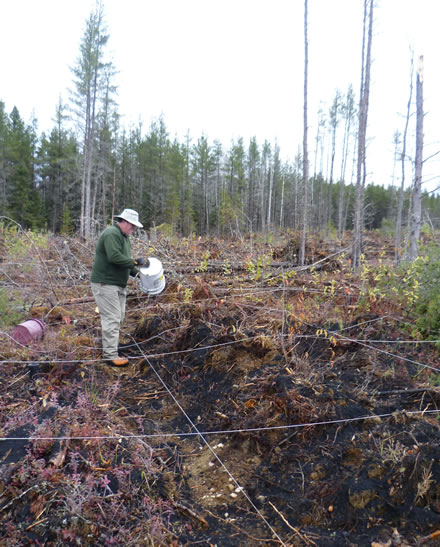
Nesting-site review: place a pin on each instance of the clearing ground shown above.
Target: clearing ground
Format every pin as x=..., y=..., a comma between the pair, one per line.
x=263, y=404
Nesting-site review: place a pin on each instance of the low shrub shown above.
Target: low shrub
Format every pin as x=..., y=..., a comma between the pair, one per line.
x=9, y=316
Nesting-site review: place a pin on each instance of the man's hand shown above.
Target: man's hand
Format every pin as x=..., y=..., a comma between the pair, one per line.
x=142, y=262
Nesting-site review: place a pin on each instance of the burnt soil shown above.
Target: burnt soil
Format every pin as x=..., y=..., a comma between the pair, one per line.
x=254, y=411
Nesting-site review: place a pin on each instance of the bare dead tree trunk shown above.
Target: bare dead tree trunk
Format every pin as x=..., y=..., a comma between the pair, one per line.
x=398, y=238
x=282, y=203
x=269, y=206
x=416, y=214
x=91, y=153
x=334, y=122
x=114, y=192
x=315, y=194
x=296, y=191
x=84, y=171
x=262, y=179
x=302, y=250
x=348, y=113
x=88, y=85
x=363, y=116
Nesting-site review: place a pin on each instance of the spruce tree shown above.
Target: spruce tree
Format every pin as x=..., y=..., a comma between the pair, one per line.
x=22, y=199
x=91, y=73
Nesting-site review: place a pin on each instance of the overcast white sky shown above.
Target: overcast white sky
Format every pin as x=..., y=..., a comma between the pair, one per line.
x=230, y=68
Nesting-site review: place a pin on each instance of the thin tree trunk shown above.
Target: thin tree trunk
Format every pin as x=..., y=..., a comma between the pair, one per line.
x=298, y=187
x=302, y=250
x=363, y=116
x=334, y=112
x=330, y=185
x=114, y=191
x=416, y=215
x=398, y=238
x=84, y=174
x=314, y=221
x=269, y=206
x=345, y=147
x=262, y=197
x=282, y=203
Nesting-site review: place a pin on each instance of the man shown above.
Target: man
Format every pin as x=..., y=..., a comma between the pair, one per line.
x=111, y=269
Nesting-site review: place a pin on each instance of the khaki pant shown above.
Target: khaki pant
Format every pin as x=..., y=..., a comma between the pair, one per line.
x=110, y=300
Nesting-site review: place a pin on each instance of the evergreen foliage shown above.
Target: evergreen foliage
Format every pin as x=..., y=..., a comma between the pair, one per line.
x=193, y=187
x=23, y=198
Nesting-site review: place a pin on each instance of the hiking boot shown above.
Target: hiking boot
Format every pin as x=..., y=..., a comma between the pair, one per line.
x=119, y=362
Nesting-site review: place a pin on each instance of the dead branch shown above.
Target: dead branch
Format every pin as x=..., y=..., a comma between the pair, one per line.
x=192, y=514
x=306, y=540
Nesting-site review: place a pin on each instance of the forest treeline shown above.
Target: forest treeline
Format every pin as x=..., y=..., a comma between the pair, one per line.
x=192, y=187
x=89, y=167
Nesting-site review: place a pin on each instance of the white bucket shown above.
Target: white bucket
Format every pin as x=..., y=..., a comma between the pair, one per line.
x=152, y=278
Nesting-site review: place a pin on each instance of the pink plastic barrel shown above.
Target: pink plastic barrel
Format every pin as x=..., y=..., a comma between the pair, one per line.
x=31, y=330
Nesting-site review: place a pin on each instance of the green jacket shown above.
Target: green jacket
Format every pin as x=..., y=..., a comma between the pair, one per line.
x=113, y=263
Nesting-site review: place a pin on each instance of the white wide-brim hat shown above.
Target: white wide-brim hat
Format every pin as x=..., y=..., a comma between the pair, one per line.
x=131, y=216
